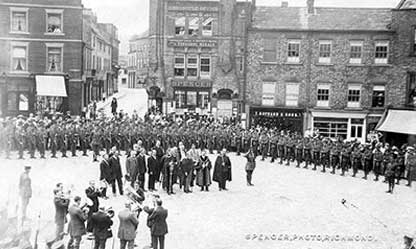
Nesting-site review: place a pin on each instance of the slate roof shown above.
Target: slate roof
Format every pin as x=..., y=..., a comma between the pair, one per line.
x=297, y=18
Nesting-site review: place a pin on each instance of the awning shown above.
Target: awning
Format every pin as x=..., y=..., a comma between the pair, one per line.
x=47, y=85
x=398, y=121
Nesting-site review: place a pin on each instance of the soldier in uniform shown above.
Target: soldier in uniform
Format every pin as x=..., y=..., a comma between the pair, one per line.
x=356, y=160
x=400, y=164
x=238, y=142
x=316, y=150
x=307, y=153
x=9, y=138
x=299, y=152
x=255, y=144
x=334, y=156
x=20, y=139
x=73, y=137
x=326, y=147
x=41, y=137
x=290, y=149
x=31, y=139
x=377, y=161
x=345, y=158
x=273, y=146
x=53, y=139
x=367, y=160
x=62, y=138
x=83, y=139
x=281, y=144
x=246, y=141
x=95, y=143
x=264, y=143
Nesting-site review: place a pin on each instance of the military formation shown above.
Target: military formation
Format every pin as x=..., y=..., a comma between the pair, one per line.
x=65, y=136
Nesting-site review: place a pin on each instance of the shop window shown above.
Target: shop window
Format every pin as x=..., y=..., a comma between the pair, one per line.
x=180, y=99
x=354, y=96
x=356, y=50
x=323, y=95
x=379, y=95
x=411, y=78
x=54, y=59
x=191, y=99
x=46, y=104
x=205, y=67
x=293, y=51
x=19, y=58
x=54, y=21
x=269, y=90
x=357, y=126
x=193, y=27
x=381, y=52
x=207, y=25
x=19, y=21
x=179, y=70
x=192, y=66
x=180, y=26
x=203, y=100
x=269, y=51
x=331, y=127
x=292, y=94
x=325, y=51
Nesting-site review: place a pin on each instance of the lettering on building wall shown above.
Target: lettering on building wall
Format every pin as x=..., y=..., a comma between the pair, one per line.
x=192, y=43
x=191, y=83
x=178, y=7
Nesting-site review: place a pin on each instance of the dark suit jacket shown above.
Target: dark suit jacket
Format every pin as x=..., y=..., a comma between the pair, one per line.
x=101, y=224
x=159, y=226
x=106, y=171
x=76, y=225
x=93, y=194
x=61, y=208
x=115, y=167
x=132, y=168
x=152, y=165
x=141, y=164
x=128, y=225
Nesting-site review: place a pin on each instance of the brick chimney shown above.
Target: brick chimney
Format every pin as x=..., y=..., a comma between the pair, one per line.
x=285, y=4
x=311, y=6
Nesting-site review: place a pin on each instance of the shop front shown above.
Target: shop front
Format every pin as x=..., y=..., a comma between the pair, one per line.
x=50, y=94
x=290, y=119
x=347, y=125
x=398, y=126
x=192, y=97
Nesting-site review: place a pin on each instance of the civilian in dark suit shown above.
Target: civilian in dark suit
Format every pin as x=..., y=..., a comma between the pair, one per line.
x=76, y=224
x=61, y=210
x=158, y=225
x=159, y=154
x=92, y=193
x=141, y=165
x=116, y=172
x=132, y=167
x=222, y=170
x=152, y=164
x=106, y=172
x=127, y=228
x=101, y=223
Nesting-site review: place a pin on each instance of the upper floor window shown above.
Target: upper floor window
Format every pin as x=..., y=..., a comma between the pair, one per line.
x=54, y=58
x=414, y=41
x=19, y=19
x=205, y=67
x=354, y=96
x=269, y=92
x=356, y=52
x=381, y=52
x=192, y=66
x=19, y=57
x=323, y=95
x=54, y=21
x=179, y=70
x=379, y=96
x=325, y=51
x=293, y=51
x=193, y=28
x=292, y=94
x=207, y=26
x=180, y=25
x=269, y=51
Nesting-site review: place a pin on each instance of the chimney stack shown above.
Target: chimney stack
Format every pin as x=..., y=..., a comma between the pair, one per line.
x=311, y=6
x=285, y=4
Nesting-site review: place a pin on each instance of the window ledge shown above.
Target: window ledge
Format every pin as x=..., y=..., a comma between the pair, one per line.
x=268, y=63
x=55, y=73
x=323, y=107
x=293, y=63
x=382, y=65
x=19, y=72
x=354, y=108
x=52, y=34
x=324, y=64
x=377, y=108
x=19, y=33
x=355, y=65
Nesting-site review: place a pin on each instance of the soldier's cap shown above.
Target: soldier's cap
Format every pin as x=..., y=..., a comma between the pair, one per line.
x=28, y=167
x=410, y=148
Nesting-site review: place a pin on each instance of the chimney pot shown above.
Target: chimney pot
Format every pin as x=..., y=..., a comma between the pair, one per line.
x=285, y=4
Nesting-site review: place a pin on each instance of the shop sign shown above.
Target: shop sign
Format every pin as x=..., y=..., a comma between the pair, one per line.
x=180, y=7
x=191, y=83
x=192, y=43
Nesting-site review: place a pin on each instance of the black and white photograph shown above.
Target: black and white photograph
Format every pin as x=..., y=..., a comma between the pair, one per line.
x=208, y=124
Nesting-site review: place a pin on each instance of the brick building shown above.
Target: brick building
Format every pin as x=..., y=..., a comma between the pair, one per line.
x=41, y=62
x=334, y=70
x=138, y=61
x=196, y=55
x=100, y=58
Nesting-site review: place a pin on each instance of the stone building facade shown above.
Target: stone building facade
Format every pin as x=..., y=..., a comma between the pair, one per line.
x=197, y=51
x=332, y=70
x=138, y=61
x=41, y=62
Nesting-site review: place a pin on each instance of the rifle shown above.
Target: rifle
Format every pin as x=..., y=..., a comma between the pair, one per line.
x=35, y=245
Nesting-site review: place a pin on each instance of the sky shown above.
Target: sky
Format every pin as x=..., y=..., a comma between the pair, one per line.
x=132, y=16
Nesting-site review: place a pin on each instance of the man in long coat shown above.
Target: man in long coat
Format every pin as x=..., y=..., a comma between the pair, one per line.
x=101, y=224
x=203, y=172
x=76, y=224
x=106, y=173
x=127, y=228
x=222, y=170
x=132, y=168
x=61, y=210
x=116, y=171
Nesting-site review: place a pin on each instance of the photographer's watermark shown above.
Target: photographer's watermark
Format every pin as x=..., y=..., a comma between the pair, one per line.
x=324, y=238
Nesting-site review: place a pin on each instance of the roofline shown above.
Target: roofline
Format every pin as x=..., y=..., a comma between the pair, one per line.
x=321, y=30
x=325, y=7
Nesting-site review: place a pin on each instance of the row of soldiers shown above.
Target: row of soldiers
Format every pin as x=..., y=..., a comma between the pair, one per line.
x=65, y=134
